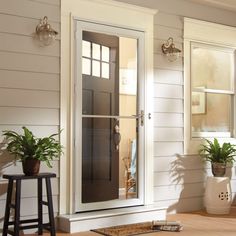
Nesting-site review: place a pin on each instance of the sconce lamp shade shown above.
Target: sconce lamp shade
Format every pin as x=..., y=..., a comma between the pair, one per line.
x=45, y=33
x=170, y=50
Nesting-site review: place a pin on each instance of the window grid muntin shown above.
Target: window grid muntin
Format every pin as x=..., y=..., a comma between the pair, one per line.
x=93, y=59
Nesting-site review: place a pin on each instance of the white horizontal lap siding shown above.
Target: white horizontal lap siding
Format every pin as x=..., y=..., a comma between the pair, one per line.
x=183, y=204
x=168, y=134
x=37, y=130
x=168, y=105
x=168, y=20
x=29, y=80
x=173, y=182
x=168, y=91
x=21, y=25
x=168, y=77
x=178, y=180
x=20, y=98
x=179, y=176
x=162, y=62
x=164, y=32
x=30, y=9
x=29, y=206
x=168, y=120
x=27, y=192
x=172, y=192
x=29, y=87
x=167, y=163
x=29, y=116
x=28, y=62
x=26, y=44
x=167, y=149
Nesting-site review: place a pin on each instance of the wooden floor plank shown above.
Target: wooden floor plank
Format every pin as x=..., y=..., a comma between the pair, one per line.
x=195, y=224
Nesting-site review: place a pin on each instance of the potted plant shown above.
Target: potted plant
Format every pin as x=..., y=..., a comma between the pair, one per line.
x=218, y=155
x=31, y=150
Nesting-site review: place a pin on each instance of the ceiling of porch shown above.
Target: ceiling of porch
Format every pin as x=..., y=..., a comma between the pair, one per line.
x=226, y=4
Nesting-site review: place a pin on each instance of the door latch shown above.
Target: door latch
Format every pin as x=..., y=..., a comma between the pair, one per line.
x=141, y=117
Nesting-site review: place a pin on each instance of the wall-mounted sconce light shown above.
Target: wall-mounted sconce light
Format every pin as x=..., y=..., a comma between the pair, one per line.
x=45, y=33
x=170, y=50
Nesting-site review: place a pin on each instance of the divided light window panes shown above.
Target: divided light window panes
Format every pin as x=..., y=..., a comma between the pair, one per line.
x=212, y=90
x=96, y=60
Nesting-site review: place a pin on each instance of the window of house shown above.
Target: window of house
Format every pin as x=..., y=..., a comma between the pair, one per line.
x=209, y=71
x=212, y=90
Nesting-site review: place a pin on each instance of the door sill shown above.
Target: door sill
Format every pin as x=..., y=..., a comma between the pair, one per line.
x=97, y=219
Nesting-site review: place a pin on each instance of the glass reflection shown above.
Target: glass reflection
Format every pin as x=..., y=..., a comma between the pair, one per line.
x=86, y=66
x=109, y=89
x=96, y=68
x=105, y=70
x=96, y=51
x=209, y=66
x=99, y=152
x=86, y=49
x=105, y=54
x=207, y=117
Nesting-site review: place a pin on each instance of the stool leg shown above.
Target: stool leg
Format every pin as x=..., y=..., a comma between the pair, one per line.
x=50, y=207
x=8, y=208
x=17, y=208
x=40, y=207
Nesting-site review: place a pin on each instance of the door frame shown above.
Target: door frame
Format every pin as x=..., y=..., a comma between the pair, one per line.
x=81, y=26
x=121, y=15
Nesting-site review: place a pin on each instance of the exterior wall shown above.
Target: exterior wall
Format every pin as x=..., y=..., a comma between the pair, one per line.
x=29, y=86
x=178, y=179
x=29, y=95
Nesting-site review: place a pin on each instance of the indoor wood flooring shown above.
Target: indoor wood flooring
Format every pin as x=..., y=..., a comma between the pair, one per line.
x=195, y=224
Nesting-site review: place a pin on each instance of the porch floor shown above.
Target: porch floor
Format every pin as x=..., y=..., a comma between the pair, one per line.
x=195, y=224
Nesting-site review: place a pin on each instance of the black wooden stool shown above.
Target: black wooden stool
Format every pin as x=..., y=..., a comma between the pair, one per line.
x=17, y=223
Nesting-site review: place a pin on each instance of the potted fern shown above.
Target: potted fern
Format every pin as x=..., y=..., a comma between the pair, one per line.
x=218, y=155
x=31, y=150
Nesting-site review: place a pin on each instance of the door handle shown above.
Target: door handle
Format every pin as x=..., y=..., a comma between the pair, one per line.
x=116, y=136
x=141, y=117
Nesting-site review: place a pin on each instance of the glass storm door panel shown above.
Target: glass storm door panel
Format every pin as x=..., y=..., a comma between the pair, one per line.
x=109, y=119
x=100, y=157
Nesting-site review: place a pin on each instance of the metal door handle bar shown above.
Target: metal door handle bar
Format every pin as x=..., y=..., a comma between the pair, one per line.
x=139, y=116
x=114, y=117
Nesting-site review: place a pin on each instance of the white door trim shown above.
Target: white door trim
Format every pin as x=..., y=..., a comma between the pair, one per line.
x=116, y=14
x=120, y=32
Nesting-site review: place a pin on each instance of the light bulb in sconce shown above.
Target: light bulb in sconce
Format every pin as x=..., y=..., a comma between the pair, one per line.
x=45, y=33
x=170, y=50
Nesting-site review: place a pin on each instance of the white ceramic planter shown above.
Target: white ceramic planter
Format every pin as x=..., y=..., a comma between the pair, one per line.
x=218, y=195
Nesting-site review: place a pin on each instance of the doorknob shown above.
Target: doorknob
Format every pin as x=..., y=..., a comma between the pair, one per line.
x=116, y=137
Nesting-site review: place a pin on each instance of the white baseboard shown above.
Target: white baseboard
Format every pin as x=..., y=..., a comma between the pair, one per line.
x=91, y=220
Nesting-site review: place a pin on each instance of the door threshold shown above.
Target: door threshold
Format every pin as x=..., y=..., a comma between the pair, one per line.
x=96, y=219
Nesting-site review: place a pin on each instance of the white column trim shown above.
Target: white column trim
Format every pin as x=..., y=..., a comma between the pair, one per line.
x=116, y=14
